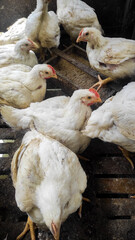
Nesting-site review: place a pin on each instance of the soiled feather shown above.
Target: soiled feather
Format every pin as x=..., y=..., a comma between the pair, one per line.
x=113, y=57
x=49, y=180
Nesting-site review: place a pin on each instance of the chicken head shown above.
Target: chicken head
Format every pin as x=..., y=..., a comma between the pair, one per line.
x=45, y=71
x=26, y=45
x=92, y=35
x=90, y=97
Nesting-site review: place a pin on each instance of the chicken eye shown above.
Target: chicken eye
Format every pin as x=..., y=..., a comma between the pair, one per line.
x=89, y=97
x=26, y=44
x=46, y=72
x=87, y=34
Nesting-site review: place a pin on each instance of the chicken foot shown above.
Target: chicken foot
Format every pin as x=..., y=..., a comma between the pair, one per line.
x=29, y=226
x=80, y=209
x=126, y=155
x=101, y=82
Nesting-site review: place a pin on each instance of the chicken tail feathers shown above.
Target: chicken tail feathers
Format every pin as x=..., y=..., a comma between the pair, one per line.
x=14, y=117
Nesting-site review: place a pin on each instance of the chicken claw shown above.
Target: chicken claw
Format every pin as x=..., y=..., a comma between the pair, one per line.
x=82, y=158
x=132, y=196
x=80, y=209
x=126, y=155
x=29, y=226
x=101, y=82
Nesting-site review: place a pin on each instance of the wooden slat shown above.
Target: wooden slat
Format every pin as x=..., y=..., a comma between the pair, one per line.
x=115, y=185
x=117, y=206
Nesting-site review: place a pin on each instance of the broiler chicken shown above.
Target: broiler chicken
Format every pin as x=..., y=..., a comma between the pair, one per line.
x=74, y=15
x=14, y=33
x=48, y=180
x=19, y=88
x=114, y=121
x=42, y=26
x=113, y=57
x=61, y=118
x=18, y=53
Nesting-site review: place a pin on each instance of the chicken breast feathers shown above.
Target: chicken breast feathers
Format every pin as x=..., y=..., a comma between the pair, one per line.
x=48, y=179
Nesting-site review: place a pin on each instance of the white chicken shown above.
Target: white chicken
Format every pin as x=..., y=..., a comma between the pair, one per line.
x=18, y=53
x=113, y=57
x=76, y=14
x=114, y=121
x=61, y=117
x=14, y=33
x=20, y=85
x=42, y=26
x=48, y=180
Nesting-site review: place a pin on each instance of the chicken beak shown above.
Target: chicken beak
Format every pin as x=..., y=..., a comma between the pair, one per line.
x=79, y=39
x=55, y=231
x=98, y=100
x=54, y=76
x=35, y=46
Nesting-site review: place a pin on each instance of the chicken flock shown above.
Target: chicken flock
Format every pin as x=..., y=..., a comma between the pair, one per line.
x=48, y=178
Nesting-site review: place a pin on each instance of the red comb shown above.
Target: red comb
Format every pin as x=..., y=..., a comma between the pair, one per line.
x=94, y=91
x=81, y=32
x=51, y=68
x=30, y=40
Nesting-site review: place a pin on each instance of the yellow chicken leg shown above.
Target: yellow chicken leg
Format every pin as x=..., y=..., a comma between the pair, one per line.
x=126, y=155
x=80, y=209
x=29, y=226
x=101, y=82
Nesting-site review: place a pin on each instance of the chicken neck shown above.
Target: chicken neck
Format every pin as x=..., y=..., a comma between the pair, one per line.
x=20, y=52
x=76, y=112
x=97, y=41
x=42, y=5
